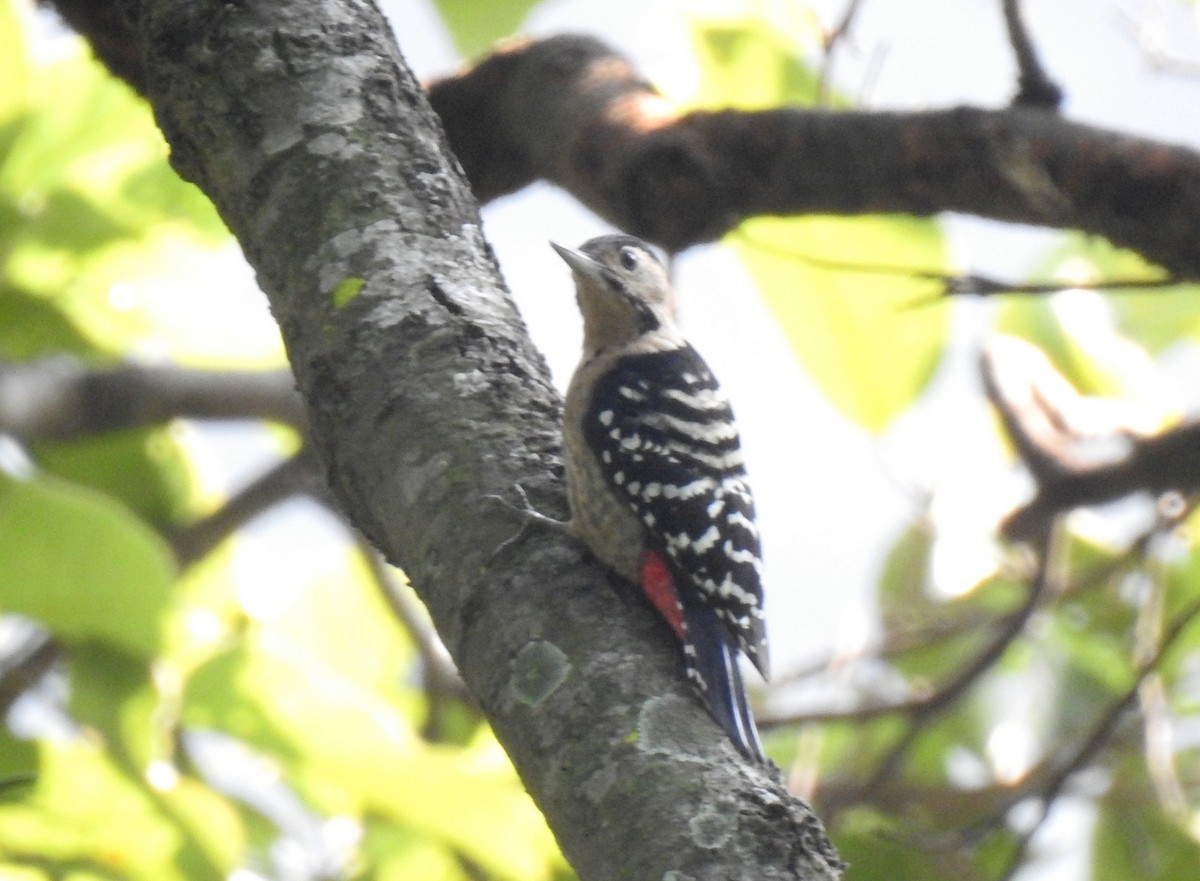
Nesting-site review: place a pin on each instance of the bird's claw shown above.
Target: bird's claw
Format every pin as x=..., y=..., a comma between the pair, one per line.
x=529, y=516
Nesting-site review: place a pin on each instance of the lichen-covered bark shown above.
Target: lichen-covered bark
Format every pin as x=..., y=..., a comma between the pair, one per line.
x=301, y=122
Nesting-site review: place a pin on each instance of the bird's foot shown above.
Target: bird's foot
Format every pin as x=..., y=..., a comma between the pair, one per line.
x=530, y=516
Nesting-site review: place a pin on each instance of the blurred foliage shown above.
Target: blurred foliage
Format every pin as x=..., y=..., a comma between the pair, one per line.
x=1103, y=344
x=307, y=688
x=474, y=27
x=261, y=714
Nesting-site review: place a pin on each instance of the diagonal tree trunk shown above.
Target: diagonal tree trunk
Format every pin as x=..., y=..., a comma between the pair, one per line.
x=302, y=123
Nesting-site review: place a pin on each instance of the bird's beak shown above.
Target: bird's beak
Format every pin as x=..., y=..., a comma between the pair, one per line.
x=580, y=263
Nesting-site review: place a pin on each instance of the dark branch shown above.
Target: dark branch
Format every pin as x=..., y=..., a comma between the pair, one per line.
x=1040, y=429
x=61, y=398
x=1034, y=86
x=895, y=642
x=572, y=111
x=109, y=34
x=24, y=664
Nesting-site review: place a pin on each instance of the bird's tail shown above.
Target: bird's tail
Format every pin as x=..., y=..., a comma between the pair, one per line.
x=711, y=658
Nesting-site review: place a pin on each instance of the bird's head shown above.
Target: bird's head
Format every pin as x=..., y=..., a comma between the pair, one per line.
x=622, y=288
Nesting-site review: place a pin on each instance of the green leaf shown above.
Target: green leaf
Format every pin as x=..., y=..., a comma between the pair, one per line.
x=1182, y=573
x=81, y=565
x=14, y=64
x=344, y=746
x=876, y=851
x=1157, y=318
x=112, y=695
x=82, y=125
x=747, y=63
x=32, y=325
x=347, y=289
x=460, y=795
x=93, y=218
x=476, y=26
x=398, y=854
x=144, y=468
x=18, y=765
x=85, y=813
x=961, y=731
x=849, y=747
x=344, y=623
x=903, y=586
x=154, y=193
x=68, y=221
x=856, y=330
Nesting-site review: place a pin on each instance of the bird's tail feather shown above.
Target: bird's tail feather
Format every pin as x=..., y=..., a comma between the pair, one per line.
x=711, y=658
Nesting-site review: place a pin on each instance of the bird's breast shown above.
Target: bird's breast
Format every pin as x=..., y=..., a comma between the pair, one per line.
x=602, y=520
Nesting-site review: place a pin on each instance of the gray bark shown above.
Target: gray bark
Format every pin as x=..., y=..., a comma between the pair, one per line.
x=302, y=123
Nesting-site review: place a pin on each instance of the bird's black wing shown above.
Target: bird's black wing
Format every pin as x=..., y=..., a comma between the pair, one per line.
x=665, y=434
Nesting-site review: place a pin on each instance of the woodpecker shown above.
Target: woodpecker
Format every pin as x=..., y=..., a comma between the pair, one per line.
x=655, y=475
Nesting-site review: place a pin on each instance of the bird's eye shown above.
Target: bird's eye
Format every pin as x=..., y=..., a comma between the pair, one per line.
x=629, y=258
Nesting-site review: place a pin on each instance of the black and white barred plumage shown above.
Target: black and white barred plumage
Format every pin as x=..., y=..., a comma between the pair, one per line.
x=666, y=435
x=656, y=477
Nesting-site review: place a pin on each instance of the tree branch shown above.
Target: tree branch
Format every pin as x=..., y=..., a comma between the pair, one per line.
x=23, y=663
x=301, y=122
x=572, y=111
x=958, y=284
x=1032, y=406
x=290, y=477
x=568, y=109
x=1034, y=86
x=61, y=398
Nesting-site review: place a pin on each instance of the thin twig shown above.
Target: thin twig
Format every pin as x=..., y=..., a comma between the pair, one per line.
x=1157, y=747
x=899, y=642
x=1034, y=86
x=1149, y=42
x=959, y=284
x=894, y=644
x=1039, y=430
x=830, y=44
